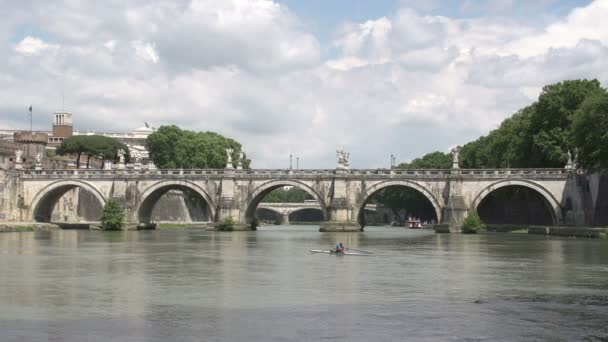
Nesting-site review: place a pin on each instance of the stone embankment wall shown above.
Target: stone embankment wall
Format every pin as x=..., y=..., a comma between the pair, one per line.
x=598, y=193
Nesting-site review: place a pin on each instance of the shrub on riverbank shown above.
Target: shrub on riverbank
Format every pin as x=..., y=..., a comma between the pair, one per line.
x=472, y=224
x=113, y=216
x=227, y=225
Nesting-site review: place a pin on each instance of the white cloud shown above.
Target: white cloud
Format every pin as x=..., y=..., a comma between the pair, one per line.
x=32, y=46
x=405, y=83
x=145, y=51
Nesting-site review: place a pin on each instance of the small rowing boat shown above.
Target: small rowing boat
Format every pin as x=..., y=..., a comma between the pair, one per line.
x=347, y=252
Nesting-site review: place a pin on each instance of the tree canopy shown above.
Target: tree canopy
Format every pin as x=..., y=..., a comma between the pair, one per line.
x=171, y=147
x=98, y=146
x=590, y=132
x=539, y=135
x=568, y=116
x=433, y=160
x=292, y=195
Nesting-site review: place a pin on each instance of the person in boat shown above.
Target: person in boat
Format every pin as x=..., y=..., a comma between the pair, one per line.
x=340, y=248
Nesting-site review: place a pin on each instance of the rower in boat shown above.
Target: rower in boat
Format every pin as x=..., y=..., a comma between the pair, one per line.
x=340, y=247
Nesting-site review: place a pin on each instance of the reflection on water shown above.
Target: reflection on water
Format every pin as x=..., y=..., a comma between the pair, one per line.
x=194, y=285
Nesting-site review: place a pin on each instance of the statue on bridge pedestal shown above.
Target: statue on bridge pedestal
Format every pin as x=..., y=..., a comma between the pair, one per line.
x=342, y=158
x=239, y=165
x=121, y=158
x=38, y=165
x=569, y=163
x=18, y=160
x=229, y=158
x=455, y=156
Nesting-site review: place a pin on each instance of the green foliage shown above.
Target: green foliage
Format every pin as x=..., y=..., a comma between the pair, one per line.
x=227, y=224
x=472, y=223
x=171, y=147
x=434, y=160
x=541, y=134
x=113, y=216
x=590, y=132
x=92, y=146
x=293, y=195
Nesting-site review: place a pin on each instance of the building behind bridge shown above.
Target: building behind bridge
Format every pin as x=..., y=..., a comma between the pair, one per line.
x=45, y=143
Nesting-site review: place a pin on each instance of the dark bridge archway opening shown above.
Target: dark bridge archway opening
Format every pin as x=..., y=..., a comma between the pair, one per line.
x=70, y=206
x=174, y=203
x=307, y=215
x=282, y=192
x=268, y=216
x=397, y=205
x=515, y=204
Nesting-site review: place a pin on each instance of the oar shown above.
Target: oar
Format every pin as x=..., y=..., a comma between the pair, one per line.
x=358, y=250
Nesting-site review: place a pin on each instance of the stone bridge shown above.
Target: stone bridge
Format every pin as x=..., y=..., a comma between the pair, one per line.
x=31, y=195
x=286, y=209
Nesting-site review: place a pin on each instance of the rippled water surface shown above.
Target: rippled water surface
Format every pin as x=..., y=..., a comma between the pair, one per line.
x=194, y=285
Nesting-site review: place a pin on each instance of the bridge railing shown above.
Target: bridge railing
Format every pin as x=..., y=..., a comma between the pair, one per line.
x=308, y=172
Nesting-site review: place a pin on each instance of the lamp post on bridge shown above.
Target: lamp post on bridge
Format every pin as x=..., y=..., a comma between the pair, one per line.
x=297, y=163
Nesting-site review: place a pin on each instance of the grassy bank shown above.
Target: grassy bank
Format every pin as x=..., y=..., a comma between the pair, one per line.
x=26, y=227
x=519, y=231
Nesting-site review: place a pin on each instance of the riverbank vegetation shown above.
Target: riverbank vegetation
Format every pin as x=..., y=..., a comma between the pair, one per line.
x=472, y=224
x=113, y=216
x=171, y=147
x=568, y=117
x=227, y=224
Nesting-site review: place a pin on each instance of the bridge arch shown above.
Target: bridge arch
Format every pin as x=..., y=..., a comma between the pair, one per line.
x=153, y=193
x=552, y=203
x=45, y=200
x=360, y=208
x=264, y=189
x=315, y=213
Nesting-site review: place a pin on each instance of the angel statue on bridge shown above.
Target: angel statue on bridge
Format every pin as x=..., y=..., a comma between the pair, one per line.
x=455, y=155
x=342, y=158
x=229, y=159
x=121, y=156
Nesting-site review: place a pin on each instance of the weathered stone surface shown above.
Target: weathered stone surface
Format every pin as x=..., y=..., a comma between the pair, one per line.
x=333, y=226
x=586, y=232
x=31, y=195
x=27, y=226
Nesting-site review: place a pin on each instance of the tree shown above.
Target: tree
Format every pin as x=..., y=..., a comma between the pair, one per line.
x=433, y=160
x=113, y=216
x=472, y=223
x=293, y=195
x=171, y=147
x=96, y=146
x=590, y=132
x=539, y=135
x=551, y=123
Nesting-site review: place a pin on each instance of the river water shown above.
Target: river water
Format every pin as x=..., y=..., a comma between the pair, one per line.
x=194, y=285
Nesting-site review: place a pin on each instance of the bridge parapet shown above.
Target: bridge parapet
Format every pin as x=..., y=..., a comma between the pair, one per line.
x=340, y=194
x=286, y=173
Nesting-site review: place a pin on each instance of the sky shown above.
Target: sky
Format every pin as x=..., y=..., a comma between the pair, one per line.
x=382, y=77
